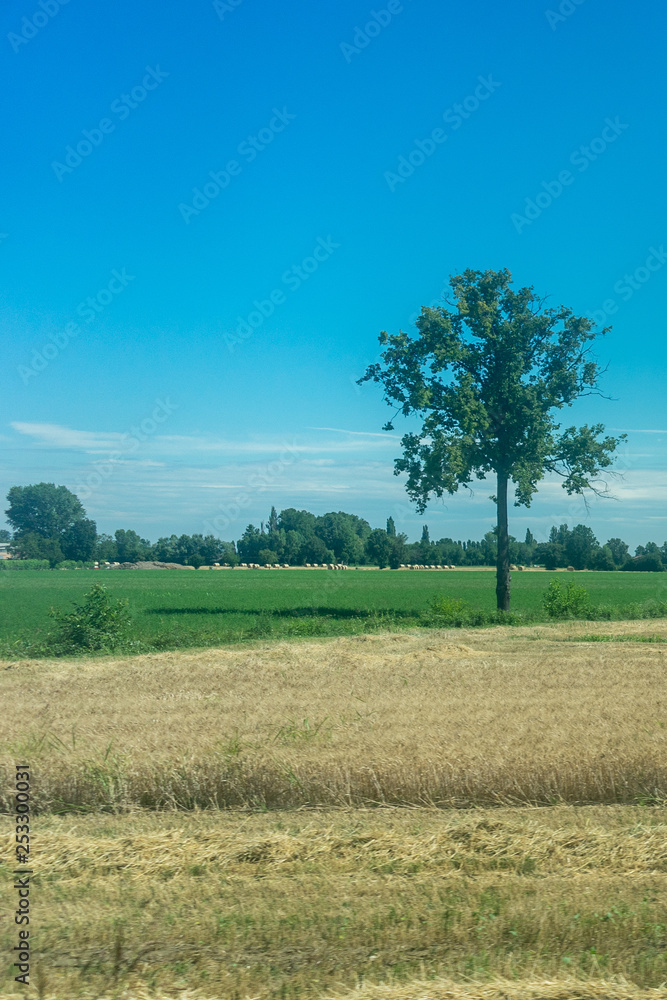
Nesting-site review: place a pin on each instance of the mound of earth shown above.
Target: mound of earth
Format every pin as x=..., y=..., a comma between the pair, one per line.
x=151, y=565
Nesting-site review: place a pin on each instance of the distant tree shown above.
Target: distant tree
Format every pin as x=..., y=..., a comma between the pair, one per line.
x=298, y=520
x=551, y=555
x=391, y=527
x=106, y=549
x=581, y=546
x=645, y=563
x=603, y=559
x=344, y=534
x=486, y=378
x=490, y=546
x=619, y=550
x=530, y=538
x=316, y=551
x=5, y=536
x=425, y=539
x=650, y=549
x=397, y=556
x=379, y=548
x=273, y=521
x=34, y=546
x=449, y=552
x=559, y=536
x=79, y=541
x=43, y=509
x=249, y=544
x=131, y=548
x=228, y=554
x=195, y=550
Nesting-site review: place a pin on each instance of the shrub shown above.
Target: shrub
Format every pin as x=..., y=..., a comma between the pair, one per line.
x=99, y=623
x=448, y=607
x=569, y=602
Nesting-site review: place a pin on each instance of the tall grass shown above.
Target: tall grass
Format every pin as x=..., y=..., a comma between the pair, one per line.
x=498, y=716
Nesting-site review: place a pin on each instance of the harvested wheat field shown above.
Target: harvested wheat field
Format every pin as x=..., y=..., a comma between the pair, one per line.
x=312, y=902
x=467, y=815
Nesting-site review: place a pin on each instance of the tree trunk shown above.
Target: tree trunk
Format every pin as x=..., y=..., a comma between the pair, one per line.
x=503, y=563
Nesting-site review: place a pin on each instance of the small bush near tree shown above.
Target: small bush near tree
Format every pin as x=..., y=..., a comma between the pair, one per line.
x=99, y=623
x=448, y=607
x=566, y=602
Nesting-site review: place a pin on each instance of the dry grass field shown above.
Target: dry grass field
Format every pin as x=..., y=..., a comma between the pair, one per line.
x=459, y=718
x=330, y=871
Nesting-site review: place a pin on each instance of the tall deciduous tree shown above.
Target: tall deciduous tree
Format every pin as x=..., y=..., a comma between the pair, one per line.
x=487, y=377
x=43, y=509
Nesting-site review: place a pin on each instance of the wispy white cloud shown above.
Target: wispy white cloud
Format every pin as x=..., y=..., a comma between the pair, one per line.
x=55, y=436
x=634, y=430
x=104, y=442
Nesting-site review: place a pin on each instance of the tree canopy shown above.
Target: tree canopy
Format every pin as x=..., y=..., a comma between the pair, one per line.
x=43, y=509
x=487, y=378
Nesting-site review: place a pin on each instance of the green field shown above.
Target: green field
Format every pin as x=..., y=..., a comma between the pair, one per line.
x=174, y=608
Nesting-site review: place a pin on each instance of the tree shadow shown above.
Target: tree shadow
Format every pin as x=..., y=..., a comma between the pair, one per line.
x=310, y=612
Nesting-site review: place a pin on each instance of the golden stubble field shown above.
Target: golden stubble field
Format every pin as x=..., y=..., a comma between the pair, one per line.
x=438, y=815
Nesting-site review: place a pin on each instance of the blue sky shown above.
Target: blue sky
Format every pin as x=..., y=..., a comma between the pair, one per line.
x=230, y=317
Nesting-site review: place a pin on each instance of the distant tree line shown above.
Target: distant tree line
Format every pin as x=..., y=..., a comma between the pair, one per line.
x=50, y=523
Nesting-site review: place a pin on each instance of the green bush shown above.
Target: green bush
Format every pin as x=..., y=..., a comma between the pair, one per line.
x=448, y=607
x=99, y=623
x=569, y=602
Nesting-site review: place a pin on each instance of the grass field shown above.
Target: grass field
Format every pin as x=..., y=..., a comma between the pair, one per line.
x=174, y=609
x=330, y=869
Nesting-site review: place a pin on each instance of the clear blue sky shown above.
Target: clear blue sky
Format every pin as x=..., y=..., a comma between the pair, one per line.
x=305, y=119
